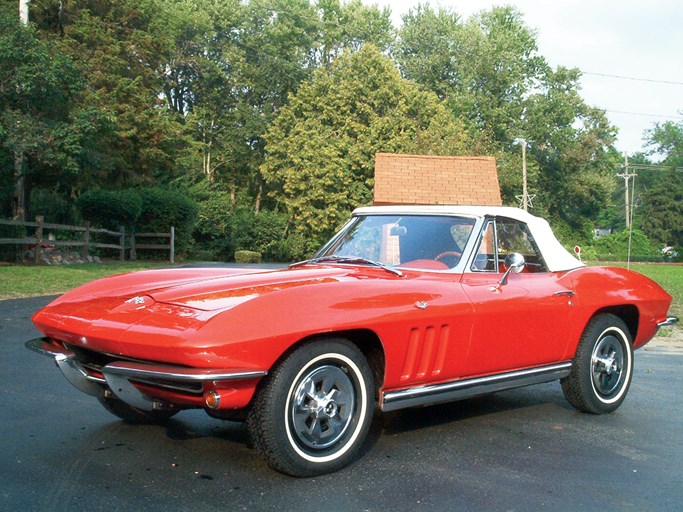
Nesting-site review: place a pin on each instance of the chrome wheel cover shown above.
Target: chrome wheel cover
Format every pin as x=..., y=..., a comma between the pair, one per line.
x=607, y=365
x=322, y=406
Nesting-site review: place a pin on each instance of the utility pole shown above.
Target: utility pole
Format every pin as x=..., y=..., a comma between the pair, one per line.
x=525, y=193
x=627, y=176
x=19, y=199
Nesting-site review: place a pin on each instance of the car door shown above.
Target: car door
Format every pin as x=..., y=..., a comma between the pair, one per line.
x=521, y=323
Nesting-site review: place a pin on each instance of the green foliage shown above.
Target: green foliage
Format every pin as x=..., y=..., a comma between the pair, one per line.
x=110, y=208
x=39, y=114
x=223, y=229
x=571, y=235
x=661, y=214
x=483, y=67
x=277, y=108
x=488, y=70
x=247, y=257
x=614, y=247
x=163, y=209
x=322, y=145
x=349, y=26
x=51, y=204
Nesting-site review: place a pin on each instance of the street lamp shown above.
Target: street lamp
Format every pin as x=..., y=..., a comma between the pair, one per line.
x=525, y=198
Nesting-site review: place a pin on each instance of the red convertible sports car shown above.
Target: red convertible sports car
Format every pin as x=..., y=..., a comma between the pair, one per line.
x=404, y=307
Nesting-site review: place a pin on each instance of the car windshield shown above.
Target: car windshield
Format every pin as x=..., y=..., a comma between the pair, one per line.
x=433, y=242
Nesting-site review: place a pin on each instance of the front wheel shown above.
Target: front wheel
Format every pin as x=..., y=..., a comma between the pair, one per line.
x=313, y=412
x=602, y=368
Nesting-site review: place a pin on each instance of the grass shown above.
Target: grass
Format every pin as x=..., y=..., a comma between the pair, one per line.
x=18, y=281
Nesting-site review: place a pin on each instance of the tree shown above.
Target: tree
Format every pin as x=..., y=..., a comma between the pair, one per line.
x=489, y=72
x=349, y=26
x=483, y=67
x=572, y=149
x=39, y=128
x=661, y=213
x=322, y=145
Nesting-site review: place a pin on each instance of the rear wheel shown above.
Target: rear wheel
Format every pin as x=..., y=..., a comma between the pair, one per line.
x=132, y=414
x=313, y=412
x=602, y=368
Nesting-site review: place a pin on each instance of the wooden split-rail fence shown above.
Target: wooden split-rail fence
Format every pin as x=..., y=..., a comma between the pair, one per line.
x=41, y=238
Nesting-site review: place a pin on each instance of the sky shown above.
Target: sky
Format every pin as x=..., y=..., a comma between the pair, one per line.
x=626, y=38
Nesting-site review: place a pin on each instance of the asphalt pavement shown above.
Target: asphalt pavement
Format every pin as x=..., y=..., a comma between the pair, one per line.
x=519, y=450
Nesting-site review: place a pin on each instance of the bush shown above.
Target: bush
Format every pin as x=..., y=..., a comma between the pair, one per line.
x=222, y=230
x=162, y=209
x=291, y=248
x=212, y=229
x=259, y=232
x=614, y=247
x=110, y=208
x=247, y=257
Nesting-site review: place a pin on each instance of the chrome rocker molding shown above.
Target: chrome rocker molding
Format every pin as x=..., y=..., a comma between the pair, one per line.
x=468, y=388
x=670, y=320
x=118, y=375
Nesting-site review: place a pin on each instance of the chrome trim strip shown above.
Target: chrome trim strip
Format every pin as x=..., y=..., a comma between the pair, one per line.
x=151, y=372
x=72, y=370
x=77, y=376
x=118, y=375
x=92, y=378
x=38, y=345
x=468, y=388
x=670, y=320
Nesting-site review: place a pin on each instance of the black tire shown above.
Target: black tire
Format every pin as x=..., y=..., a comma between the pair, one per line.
x=134, y=415
x=602, y=367
x=313, y=411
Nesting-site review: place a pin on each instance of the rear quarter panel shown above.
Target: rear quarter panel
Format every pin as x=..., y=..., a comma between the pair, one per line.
x=598, y=288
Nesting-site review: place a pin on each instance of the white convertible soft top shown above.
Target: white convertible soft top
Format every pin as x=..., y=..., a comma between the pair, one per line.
x=555, y=255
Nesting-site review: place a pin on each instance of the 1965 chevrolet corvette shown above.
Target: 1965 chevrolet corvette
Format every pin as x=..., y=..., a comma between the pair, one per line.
x=404, y=307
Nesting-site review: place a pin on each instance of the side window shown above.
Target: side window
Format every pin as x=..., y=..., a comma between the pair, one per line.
x=501, y=237
x=514, y=236
x=485, y=257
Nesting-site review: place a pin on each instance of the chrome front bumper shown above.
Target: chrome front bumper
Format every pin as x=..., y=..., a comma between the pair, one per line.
x=118, y=375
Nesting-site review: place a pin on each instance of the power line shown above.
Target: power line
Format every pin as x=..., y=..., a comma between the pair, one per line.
x=642, y=114
x=621, y=77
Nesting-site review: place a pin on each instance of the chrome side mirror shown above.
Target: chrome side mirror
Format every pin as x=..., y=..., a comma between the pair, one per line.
x=514, y=262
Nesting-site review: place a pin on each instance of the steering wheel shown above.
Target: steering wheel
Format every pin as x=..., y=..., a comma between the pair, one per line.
x=447, y=253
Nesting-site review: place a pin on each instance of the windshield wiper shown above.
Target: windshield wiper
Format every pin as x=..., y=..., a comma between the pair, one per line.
x=347, y=259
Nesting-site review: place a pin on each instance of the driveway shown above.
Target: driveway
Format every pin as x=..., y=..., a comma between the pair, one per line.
x=523, y=450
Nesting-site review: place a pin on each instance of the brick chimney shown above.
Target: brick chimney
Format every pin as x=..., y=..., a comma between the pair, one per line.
x=425, y=180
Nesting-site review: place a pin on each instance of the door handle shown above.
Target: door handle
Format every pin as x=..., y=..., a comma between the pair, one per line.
x=568, y=293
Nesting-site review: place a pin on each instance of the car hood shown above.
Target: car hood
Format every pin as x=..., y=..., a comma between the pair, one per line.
x=226, y=292
x=229, y=318
x=206, y=289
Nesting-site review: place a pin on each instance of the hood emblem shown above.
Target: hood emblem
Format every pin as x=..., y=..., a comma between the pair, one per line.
x=421, y=304
x=136, y=300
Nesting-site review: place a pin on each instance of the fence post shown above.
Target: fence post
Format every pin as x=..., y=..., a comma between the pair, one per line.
x=133, y=252
x=86, y=240
x=39, y=239
x=172, y=244
x=122, y=241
